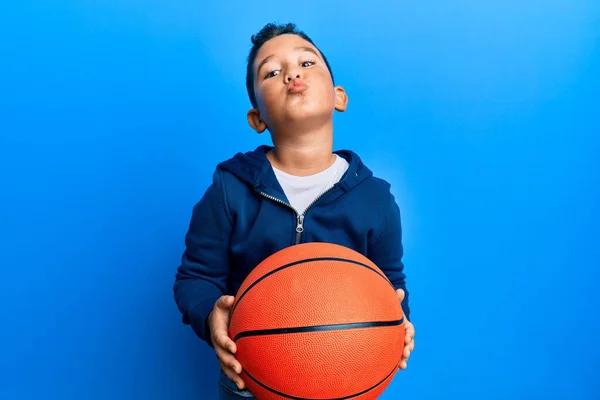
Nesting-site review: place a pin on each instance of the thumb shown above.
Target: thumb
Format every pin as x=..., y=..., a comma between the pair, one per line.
x=400, y=294
x=225, y=302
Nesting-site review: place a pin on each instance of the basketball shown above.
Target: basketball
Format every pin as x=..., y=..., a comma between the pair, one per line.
x=317, y=321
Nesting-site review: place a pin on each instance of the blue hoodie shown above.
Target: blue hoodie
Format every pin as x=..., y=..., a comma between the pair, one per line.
x=244, y=217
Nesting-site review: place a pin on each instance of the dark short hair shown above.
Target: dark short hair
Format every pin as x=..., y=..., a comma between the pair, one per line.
x=267, y=33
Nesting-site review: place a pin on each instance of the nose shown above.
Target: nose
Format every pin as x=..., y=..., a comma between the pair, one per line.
x=292, y=74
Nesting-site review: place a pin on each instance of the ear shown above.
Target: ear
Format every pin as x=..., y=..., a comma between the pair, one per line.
x=341, y=99
x=255, y=121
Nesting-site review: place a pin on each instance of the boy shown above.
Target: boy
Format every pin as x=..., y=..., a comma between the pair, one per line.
x=296, y=191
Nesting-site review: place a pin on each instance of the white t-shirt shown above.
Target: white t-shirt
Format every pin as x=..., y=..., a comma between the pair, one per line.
x=301, y=191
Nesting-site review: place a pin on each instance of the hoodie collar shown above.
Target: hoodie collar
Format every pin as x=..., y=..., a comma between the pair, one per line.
x=255, y=169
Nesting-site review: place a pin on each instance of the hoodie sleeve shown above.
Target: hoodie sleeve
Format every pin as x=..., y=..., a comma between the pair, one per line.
x=202, y=275
x=385, y=250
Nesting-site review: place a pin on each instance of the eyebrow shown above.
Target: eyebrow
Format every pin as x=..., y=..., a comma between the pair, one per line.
x=302, y=48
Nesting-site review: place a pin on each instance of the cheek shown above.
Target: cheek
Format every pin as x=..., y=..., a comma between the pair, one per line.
x=327, y=94
x=326, y=89
x=266, y=101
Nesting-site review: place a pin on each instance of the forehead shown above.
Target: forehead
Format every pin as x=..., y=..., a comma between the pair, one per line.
x=282, y=45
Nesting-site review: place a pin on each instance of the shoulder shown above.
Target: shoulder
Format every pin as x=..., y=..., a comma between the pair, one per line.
x=367, y=177
x=232, y=174
x=359, y=174
x=370, y=187
x=245, y=166
x=380, y=184
x=247, y=159
x=377, y=193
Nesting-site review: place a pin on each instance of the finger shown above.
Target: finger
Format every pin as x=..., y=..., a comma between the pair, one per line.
x=410, y=333
x=225, y=302
x=228, y=360
x=225, y=342
x=408, y=349
x=231, y=374
x=222, y=340
x=406, y=353
x=233, y=370
x=402, y=364
x=400, y=294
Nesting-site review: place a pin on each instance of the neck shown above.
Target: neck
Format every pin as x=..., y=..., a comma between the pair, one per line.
x=303, y=154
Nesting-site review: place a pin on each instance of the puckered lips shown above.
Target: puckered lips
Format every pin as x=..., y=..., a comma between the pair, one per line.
x=297, y=86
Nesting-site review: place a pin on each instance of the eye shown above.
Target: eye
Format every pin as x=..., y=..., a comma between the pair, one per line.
x=271, y=74
x=307, y=64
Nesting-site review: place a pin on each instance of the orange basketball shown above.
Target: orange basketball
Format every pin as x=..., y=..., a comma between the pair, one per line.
x=317, y=321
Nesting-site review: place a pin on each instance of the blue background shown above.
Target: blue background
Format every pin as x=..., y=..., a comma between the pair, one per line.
x=484, y=116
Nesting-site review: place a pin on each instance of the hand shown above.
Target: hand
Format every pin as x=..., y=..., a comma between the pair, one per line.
x=225, y=348
x=409, y=341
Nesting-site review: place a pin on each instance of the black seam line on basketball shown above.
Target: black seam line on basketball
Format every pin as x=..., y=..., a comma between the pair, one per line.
x=317, y=328
x=301, y=262
x=320, y=398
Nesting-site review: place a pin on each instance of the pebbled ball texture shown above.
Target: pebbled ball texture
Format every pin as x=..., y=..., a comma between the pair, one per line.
x=317, y=321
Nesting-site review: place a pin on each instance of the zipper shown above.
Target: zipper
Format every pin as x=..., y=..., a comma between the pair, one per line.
x=299, y=227
x=299, y=216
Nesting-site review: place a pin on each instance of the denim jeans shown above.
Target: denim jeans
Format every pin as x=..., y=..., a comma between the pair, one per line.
x=229, y=391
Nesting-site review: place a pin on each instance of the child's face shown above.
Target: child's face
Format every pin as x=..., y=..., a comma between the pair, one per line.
x=292, y=83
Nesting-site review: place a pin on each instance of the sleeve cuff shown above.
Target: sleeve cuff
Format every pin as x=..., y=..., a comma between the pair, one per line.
x=199, y=318
x=405, y=306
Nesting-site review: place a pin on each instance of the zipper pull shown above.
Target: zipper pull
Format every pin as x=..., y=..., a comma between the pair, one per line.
x=300, y=226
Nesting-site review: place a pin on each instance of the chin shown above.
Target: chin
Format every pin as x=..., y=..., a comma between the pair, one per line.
x=305, y=110
x=299, y=115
